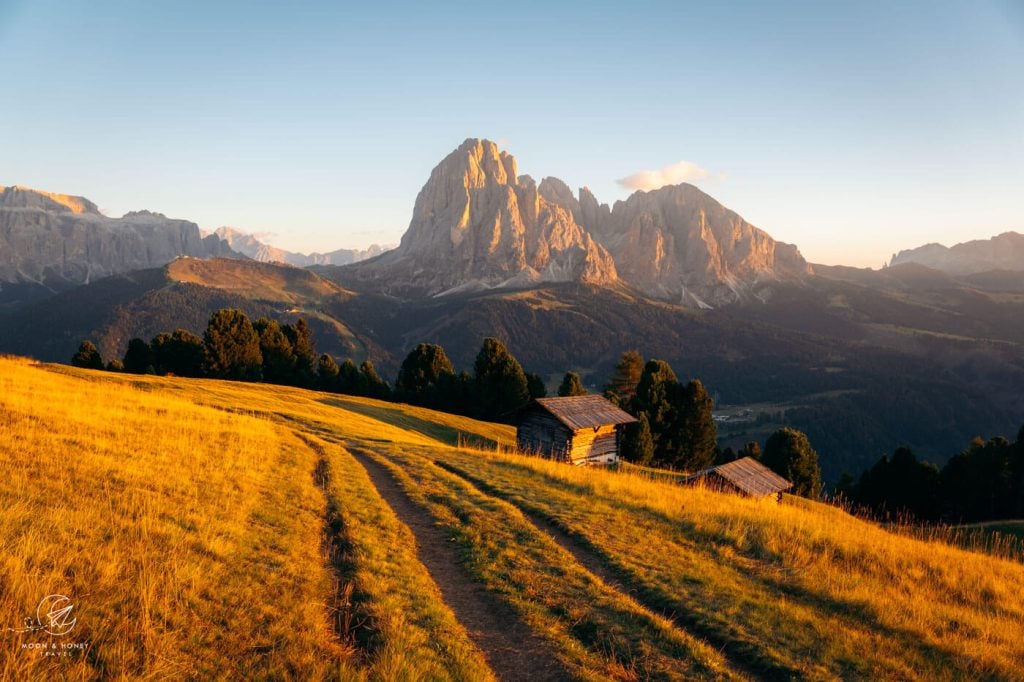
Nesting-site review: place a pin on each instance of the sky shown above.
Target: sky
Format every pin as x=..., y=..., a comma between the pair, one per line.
x=852, y=129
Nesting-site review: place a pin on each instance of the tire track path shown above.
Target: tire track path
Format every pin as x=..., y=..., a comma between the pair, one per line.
x=513, y=650
x=597, y=565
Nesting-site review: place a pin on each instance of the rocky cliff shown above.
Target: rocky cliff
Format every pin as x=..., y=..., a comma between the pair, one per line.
x=477, y=224
x=1003, y=252
x=679, y=243
x=56, y=240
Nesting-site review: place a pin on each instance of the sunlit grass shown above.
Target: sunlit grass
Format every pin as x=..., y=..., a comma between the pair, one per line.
x=185, y=520
x=803, y=588
x=188, y=538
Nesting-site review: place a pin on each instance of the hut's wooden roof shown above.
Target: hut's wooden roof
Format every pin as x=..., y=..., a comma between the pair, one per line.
x=749, y=476
x=585, y=411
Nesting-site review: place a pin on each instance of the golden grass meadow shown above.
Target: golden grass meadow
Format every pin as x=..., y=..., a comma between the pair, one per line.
x=214, y=530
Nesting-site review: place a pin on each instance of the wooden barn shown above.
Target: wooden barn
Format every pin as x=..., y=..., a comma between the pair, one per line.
x=583, y=429
x=745, y=476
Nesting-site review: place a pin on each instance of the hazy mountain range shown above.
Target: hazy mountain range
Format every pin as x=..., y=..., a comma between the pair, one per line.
x=251, y=246
x=863, y=360
x=1003, y=252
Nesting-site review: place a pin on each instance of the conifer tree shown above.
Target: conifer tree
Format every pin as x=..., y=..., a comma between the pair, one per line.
x=571, y=385
x=327, y=373
x=499, y=383
x=637, y=444
x=300, y=336
x=624, y=379
x=232, y=347
x=138, y=358
x=788, y=453
x=424, y=375
x=279, y=360
x=87, y=356
x=371, y=383
x=535, y=385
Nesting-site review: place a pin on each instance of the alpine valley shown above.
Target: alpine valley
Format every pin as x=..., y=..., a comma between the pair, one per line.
x=927, y=352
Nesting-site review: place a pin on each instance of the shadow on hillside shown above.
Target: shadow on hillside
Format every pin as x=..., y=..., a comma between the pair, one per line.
x=399, y=417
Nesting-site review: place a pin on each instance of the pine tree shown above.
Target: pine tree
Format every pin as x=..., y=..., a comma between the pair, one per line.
x=653, y=398
x=625, y=377
x=535, y=385
x=300, y=336
x=138, y=359
x=499, y=383
x=751, y=449
x=279, y=360
x=422, y=376
x=788, y=453
x=349, y=381
x=691, y=440
x=87, y=356
x=571, y=385
x=327, y=373
x=637, y=444
x=232, y=347
x=370, y=382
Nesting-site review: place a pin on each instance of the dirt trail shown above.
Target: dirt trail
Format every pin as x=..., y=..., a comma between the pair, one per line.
x=513, y=651
x=598, y=566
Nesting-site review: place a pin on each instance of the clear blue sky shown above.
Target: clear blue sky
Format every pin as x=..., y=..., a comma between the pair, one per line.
x=851, y=129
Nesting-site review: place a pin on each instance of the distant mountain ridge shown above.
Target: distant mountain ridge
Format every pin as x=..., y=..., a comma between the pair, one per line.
x=1002, y=252
x=478, y=225
x=56, y=241
x=251, y=246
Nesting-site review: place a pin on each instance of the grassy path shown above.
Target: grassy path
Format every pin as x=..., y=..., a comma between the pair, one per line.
x=593, y=561
x=513, y=651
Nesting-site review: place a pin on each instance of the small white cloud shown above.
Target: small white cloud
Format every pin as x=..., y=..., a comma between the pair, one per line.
x=684, y=171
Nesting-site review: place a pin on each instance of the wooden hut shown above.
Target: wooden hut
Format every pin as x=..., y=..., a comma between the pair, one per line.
x=745, y=476
x=585, y=429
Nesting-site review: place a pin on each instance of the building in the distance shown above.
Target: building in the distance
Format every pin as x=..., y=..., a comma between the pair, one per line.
x=745, y=476
x=584, y=429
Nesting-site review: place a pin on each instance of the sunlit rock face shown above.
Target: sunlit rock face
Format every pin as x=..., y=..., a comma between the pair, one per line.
x=58, y=240
x=477, y=224
x=679, y=243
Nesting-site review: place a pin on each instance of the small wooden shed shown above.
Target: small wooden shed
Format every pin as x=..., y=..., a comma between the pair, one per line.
x=745, y=476
x=585, y=429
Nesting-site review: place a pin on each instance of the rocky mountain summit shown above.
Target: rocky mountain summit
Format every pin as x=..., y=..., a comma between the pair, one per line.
x=251, y=246
x=1003, y=252
x=57, y=240
x=477, y=224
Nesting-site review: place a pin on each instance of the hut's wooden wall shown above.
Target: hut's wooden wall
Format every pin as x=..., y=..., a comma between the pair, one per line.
x=540, y=432
x=595, y=446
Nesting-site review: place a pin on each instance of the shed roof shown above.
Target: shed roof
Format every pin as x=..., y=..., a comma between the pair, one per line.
x=585, y=411
x=749, y=476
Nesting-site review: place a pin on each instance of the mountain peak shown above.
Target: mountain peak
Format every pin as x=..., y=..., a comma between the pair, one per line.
x=477, y=224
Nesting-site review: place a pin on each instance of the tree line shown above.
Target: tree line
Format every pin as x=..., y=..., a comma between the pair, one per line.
x=983, y=482
x=675, y=427
x=233, y=347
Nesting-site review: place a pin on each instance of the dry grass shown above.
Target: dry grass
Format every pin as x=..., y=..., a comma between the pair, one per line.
x=795, y=589
x=187, y=537
x=185, y=519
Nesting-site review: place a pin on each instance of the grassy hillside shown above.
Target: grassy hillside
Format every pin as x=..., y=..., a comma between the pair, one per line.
x=222, y=530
